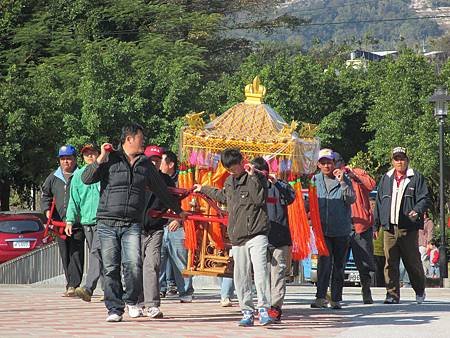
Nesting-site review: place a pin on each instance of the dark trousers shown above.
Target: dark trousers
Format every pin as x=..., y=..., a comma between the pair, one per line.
x=151, y=264
x=71, y=250
x=402, y=243
x=362, y=248
x=378, y=278
x=95, y=258
x=332, y=265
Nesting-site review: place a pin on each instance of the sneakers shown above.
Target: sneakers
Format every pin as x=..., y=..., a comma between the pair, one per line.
x=162, y=294
x=247, y=318
x=134, y=311
x=172, y=290
x=114, y=318
x=336, y=305
x=226, y=302
x=154, y=312
x=420, y=299
x=275, y=314
x=186, y=299
x=320, y=303
x=102, y=298
x=70, y=292
x=83, y=293
x=391, y=300
x=264, y=318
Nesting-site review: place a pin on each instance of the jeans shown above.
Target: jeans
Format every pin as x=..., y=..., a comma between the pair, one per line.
x=226, y=287
x=174, y=252
x=333, y=265
x=121, y=248
x=253, y=254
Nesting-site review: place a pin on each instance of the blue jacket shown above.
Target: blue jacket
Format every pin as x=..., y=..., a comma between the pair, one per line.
x=334, y=206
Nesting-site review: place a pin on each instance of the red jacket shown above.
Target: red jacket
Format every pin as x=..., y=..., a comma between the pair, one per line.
x=362, y=216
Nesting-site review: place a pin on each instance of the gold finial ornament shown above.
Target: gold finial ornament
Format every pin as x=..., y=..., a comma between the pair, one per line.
x=255, y=92
x=289, y=129
x=308, y=130
x=195, y=120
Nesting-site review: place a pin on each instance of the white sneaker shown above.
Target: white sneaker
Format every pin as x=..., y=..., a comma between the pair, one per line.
x=226, y=302
x=186, y=299
x=114, y=318
x=134, y=311
x=154, y=312
x=420, y=299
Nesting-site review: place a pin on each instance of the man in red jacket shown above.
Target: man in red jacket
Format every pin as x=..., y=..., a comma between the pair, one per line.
x=361, y=238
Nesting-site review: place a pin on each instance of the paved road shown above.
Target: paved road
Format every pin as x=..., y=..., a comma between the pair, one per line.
x=30, y=311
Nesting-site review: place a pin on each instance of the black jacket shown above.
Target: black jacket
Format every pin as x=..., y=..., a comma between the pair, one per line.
x=280, y=195
x=415, y=197
x=245, y=198
x=123, y=188
x=154, y=203
x=56, y=186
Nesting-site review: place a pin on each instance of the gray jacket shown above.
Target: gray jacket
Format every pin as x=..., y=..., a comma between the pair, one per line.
x=334, y=206
x=245, y=198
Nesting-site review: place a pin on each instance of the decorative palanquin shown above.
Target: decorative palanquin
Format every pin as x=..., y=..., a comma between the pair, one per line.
x=257, y=130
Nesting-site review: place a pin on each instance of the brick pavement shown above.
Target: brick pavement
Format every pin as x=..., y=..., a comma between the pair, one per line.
x=30, y=311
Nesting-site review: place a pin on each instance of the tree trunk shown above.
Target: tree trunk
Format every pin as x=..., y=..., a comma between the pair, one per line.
x=5, y=191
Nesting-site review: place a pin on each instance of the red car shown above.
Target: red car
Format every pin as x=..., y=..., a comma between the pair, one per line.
x=20, y=233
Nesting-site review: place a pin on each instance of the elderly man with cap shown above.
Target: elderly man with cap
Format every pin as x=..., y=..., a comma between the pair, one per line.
x=402, y=200
x=57, y=187
x=335, y=194
x=361, y=238
x=151, y=241
x=82, y=209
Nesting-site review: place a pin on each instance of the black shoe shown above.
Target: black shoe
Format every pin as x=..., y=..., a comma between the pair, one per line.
x=162, y=294
x=391, y=300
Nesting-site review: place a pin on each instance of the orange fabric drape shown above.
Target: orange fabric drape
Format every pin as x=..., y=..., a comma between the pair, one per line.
x=298, y=224
x=315, y=220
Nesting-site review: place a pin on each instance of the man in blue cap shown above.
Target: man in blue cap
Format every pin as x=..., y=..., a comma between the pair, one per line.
x=57, y=186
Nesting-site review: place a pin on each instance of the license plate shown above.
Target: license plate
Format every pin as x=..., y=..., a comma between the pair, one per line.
x=353, y=277
x=21, y=245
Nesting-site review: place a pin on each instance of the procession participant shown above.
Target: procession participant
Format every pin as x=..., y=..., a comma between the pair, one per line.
x=280, y=194
x=402, y=200
x=245, y=194
x=57, y=187
x=361, y=237
x=335, y=194
x=125, y=176
x=151, y=241
x=173, y=251
x=82, y=208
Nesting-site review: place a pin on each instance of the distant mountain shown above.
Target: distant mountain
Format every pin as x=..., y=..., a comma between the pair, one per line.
x=375, y=24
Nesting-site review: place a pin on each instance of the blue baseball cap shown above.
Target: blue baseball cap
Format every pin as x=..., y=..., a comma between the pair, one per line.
x=67, y=150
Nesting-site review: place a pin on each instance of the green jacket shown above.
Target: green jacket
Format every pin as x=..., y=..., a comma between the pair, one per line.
x=83, y=200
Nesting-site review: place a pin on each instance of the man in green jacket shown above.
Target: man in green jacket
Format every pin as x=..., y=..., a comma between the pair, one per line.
x=82, y=208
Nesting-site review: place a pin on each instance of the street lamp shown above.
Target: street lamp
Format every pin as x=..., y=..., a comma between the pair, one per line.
x=440, y=100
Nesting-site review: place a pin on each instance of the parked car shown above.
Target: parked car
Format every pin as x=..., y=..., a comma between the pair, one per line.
x=21, y=233
x=351, y=273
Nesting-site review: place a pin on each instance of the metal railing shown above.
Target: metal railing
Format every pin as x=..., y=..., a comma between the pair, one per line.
x=35, y=266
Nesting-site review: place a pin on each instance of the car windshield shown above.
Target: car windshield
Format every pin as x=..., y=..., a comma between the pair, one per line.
x=19, y=227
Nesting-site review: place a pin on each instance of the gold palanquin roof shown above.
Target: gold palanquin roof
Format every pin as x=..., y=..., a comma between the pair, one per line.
x=253, y=127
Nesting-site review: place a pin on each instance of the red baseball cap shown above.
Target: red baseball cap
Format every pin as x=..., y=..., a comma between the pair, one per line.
x=153, y=150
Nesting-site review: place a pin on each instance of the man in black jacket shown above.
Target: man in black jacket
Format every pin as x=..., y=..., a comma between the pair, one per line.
x=402, y=199
x=125, y=177
x=57, y=186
